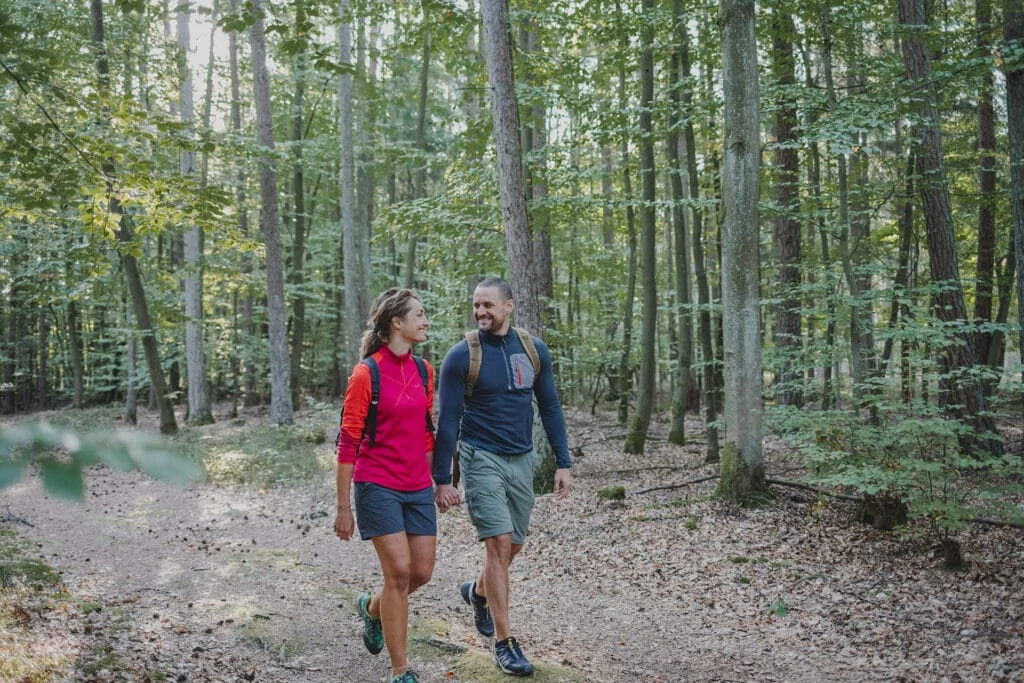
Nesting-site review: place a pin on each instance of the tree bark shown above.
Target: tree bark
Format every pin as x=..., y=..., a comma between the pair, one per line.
x=985, y=269
x=350, y=245
x=960, y=390
x=505, y=113
x=199, y=411
x=742, y=479
x=786, y=228
x=168, y=423
x=280, y=377
x=637, y=436
x=298, y=277
x=1013, y=31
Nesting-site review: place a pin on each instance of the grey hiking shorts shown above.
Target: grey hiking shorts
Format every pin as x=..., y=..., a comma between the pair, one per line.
x=499, y=491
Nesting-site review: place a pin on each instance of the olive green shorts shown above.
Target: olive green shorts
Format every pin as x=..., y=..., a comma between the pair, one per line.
x=499, y=491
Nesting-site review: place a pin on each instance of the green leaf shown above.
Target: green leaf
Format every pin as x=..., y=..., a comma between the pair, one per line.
x=62, y=479
x=165, y=465
x=10, y=471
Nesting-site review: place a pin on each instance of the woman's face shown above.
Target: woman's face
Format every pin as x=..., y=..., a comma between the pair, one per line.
x=414, y=324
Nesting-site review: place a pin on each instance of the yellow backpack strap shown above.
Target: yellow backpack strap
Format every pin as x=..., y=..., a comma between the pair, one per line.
x=527, y=341
x=475, y=358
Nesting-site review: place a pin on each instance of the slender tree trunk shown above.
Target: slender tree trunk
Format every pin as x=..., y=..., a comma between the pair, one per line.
x=298, y=277
x=637, y=436
x=350, y=245
x=786, y=228
x=420, y=173
x=77, y=359
x=742, y=471
x=199, y=411
x=280, y=376
x=504, y=111
x=168, y=423
x=680, y=401
x=960, y=390
x=700, y=271
x=42, y=376
x=131, y=399
x=625, y=361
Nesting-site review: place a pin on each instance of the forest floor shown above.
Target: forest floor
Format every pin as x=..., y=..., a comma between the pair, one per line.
x=213, y=583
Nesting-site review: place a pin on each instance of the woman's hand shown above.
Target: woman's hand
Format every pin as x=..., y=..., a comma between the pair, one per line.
x=344, y=524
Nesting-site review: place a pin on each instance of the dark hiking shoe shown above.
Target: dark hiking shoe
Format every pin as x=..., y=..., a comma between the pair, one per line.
x=373, y=635
x=510, y=659
x=481, y=612
x=407, y=677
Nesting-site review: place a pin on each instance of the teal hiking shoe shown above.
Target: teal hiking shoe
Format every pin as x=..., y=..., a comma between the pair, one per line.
x=510, y=658
x=407, y=677
x=373, y=635
x=481, y=612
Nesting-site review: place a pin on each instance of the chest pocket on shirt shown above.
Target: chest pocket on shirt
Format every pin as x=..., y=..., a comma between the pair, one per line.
x=522, y=371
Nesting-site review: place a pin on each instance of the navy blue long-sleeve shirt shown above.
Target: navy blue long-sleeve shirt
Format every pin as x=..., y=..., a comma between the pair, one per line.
x=498, y=417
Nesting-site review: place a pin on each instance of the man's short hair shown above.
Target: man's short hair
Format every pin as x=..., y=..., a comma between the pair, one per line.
x=503, y=286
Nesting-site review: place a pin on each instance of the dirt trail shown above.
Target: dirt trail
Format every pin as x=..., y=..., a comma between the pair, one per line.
x=212, y=584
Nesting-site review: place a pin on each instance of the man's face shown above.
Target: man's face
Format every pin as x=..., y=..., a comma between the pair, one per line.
x=490, y=311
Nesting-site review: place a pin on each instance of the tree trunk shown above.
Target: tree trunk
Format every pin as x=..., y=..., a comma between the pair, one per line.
x=742, y=471
x=786, y=229
x=625, y=361
x=350, y=245
x=960, y=390
x=504, y=111
x=420, y=173
x=1013, y=30
x=131, y=397
x=43, y=373
x=77, y=359
x=299, y=198
x=681, y=397
x=248, y=366
x=985, y=269
x=168, y=423
x=637, y=436
x=280, y=377
x=704, y=324
x=199, y=411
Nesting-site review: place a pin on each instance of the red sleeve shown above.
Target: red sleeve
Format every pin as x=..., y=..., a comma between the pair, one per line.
x=429, y=445
x=353, y=417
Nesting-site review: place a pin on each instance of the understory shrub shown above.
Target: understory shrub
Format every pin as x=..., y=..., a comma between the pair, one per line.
x=908, y=466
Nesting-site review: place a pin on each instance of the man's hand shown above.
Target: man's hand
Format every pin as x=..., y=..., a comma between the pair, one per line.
x=344, y=524
x=563, y=482
x=445, y=496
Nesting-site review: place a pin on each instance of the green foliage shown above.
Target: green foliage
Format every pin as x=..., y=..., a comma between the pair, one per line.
x=911, y=457
x=62, y=456
x=612, y=493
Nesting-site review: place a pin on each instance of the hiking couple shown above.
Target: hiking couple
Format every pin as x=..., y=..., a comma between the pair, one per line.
x=396, y=470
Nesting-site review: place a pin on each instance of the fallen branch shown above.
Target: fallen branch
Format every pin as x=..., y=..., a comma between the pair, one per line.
x=674, y=486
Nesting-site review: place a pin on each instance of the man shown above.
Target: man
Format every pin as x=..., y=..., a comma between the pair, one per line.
x=494, y=430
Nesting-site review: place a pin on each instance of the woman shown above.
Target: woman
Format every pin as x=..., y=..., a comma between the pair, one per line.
x=388, y=459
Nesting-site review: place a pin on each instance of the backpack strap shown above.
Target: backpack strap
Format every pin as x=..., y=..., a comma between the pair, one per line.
x=476, y=355
x=422, y=367
x=526, y=339
x=475, y=358
x=371, y=412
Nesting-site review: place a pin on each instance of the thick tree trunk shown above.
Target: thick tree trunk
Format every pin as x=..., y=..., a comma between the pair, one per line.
x=960, y=390
x=280, y=376
x=786, y=228
x=420, y=172
x=742, y=471
x=168, y=423
x=504, y=111
x=637, y=436
x=985, y=269
x=199, y=411
x=1013, y=30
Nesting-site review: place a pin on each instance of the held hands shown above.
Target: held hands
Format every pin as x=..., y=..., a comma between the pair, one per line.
x=446, y=496
x=344, y=524
x=563, y=483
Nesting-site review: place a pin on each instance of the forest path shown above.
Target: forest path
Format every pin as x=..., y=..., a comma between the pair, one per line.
x=206, y=583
